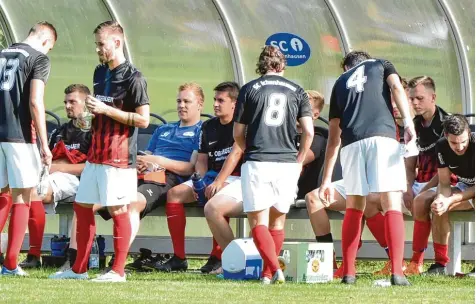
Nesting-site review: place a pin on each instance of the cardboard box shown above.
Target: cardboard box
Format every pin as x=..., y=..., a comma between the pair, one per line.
x=307, y=262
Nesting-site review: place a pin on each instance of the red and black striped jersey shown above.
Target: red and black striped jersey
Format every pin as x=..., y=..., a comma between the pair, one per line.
x=70, y=142
x=125, y=88
x=19, y=65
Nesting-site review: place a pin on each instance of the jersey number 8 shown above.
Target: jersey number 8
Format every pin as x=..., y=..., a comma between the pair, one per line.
x=357, y=79
x=276, y=110
x=8, y=70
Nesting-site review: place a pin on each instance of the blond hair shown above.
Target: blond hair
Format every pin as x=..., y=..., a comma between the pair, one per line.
x=426, y=81
x=316, y=99
x=195, y=88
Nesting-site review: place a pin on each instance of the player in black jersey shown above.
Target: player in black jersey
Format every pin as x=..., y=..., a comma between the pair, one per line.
x=265, y=129
x=361, y=117
x=216, y=142
x=69, y=145
x=228, y=201
x=25, y=70
x=455, y=153
x=422, y=169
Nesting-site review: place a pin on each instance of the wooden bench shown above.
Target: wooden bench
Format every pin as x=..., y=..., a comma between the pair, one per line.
x=297, y=212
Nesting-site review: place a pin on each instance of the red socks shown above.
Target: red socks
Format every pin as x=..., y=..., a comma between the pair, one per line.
x=421, y=233
x=5, y=205
x=267, y=249
x=376, y=226
x=85, y=230
x=36, y=227
x=122, y=236
x=350, y=239
x=176, y=221
x=395, y=235
x=16, y=234
x=216, y=249
x=441, y=253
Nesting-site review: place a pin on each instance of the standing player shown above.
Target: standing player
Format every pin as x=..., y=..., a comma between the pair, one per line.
x=216, y=142
x=455, y=156
x=25, y=70
x=265, y=129
x=226, y=201
x=361, y=116
x=121, y=105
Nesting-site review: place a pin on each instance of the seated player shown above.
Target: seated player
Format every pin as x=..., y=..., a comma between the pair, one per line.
x=69, y=145
x=216, y=141
x=455, y=156
x=226, y=200
x=172, y=147
x=422, y=170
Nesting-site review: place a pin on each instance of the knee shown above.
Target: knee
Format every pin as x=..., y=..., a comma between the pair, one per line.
x=313, y=203
x=211, y=210
x=173, y=196
x=117, y=210
x=421, y=210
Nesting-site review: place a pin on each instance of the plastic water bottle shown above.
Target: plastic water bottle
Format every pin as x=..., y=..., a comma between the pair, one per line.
x=94, y=256
x=199, y=187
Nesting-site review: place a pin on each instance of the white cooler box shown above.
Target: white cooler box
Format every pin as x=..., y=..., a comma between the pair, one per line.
x=307, y=262
x=241, y=260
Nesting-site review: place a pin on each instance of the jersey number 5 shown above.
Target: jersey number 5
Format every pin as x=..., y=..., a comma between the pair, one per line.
x=8, y=69
x=357, y=79
x=276, y=110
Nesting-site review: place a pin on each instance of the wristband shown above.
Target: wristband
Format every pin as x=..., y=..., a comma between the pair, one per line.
x=407, y=121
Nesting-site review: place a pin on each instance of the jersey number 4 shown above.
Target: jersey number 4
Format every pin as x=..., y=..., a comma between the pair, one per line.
x=276, y=110
x=8, y=70
x=357, y=79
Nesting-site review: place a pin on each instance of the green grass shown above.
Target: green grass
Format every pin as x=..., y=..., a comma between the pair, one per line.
x=192, y=287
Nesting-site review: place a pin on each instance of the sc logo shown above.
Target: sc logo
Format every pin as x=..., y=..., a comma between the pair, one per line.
x=294, y=48
x=295, y=44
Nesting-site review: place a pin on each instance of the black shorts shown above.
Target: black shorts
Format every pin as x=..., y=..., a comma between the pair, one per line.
x=155, y=195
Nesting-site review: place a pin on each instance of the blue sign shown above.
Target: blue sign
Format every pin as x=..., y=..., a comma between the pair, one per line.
x=294, y=48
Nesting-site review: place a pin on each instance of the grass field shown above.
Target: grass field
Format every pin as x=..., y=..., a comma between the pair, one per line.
x=192, y=287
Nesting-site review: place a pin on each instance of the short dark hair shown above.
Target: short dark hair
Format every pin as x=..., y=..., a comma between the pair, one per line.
x=426, y=81
x=354, y=58
x=81, y=88
x=231, y=87
x=110, y=25
x=455, y=124
x=42, y=25
x=270, y=58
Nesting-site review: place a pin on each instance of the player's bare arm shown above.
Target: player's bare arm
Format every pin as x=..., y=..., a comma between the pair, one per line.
x=401, y=101
x=410, y=169
x=239, y=135
x=201, y=166
x=37, y=109
x=175, y=166
x=229, y=165
x=74, y=169
x=306, y=138
x=138, y=119
x=442, y=201
x=431, y=184
x=332, y=151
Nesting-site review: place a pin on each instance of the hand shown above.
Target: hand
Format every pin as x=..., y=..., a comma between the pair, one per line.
x=408, y=199
x=326, y=194
x=410, y=134
x=46, y=156
x=213, y=189
x=95, y=105
x=440, y=205
x=141, y=164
